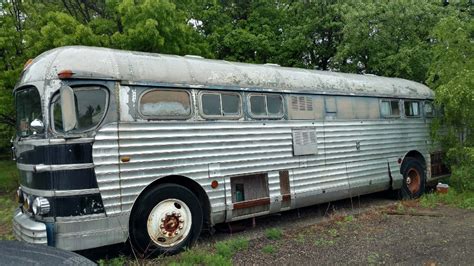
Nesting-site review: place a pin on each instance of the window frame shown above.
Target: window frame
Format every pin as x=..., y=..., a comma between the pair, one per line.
x=222, y=116
x=154, y=117
x=43, y=118
x=82, y=86
x=433, y=111
x=419, y=109
x=252, y=115
x=391, y=115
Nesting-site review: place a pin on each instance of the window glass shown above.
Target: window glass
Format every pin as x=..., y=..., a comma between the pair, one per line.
x=167, y=104
x=257, y=105
x=211, y=104
x=390, y=108
x=385, y=108
x=231, y=104
x=395, y=108
x=429, y=110
x=412, y=108
x=28, y=108
x=274, y=105
x=90, y=108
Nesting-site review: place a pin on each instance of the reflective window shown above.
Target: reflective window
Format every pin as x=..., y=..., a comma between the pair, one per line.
x=274, y=104
x=220, y=104
x=211, y=104
x=412, y=108
x=390, y=108
x=429, y=109
x=90, y=108
x=266, y=105
x=28, y=108
x=166, y=104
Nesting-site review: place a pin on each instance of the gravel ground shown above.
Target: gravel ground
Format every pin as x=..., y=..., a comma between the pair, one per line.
x=397, y=234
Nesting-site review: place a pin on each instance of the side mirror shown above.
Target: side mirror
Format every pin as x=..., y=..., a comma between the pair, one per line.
x=68, y=108
x=37, y=126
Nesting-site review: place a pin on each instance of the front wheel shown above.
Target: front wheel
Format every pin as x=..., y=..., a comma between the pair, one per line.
x=414, y=179
x=166, y=220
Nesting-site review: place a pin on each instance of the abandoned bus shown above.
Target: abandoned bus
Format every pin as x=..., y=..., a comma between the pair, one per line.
x=118, y=145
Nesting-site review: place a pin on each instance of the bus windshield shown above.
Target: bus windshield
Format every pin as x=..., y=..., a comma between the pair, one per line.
x=28, y=108
x=91, y=102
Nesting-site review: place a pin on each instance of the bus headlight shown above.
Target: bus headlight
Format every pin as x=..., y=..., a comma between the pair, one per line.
x=40, y=206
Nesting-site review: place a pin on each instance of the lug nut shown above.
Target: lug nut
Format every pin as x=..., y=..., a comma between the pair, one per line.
x=176, y=232
x=174, y=213
x=179, y=214
x=180, y=227
x=168, y=214
x=181, y=220
x=162, y=219
x=162, y=226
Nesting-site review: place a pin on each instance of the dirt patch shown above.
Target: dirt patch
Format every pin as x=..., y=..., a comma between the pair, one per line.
x=398, y=234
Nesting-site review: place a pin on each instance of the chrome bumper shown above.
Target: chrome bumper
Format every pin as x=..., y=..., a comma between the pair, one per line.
x=29, y=230
x=72, y=233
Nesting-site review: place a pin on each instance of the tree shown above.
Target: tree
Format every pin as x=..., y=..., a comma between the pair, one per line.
x=387, y=38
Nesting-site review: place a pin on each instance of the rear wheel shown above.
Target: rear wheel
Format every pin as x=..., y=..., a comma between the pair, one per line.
x=414, y=179
x=166, y=220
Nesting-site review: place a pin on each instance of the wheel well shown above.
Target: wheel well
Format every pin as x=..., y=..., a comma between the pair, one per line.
x=189, y=184
x=415, y=155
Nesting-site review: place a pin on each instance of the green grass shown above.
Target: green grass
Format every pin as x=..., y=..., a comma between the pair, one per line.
x=228, y=248
x=322, y=242
x=118, y=261
x=7, y=207
x=220, y=253
x=8, y=176
x=453, y=198
x=274, y=233
x=269, y=249
x=8, y=184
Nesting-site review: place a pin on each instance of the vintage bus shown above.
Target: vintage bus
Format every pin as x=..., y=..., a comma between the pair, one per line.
x=118, y=145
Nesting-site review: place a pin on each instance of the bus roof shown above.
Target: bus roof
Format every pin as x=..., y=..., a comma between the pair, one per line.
x=184, y=71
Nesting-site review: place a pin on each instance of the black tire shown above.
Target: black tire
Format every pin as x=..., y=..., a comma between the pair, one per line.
x=160, y=196
x=414, y=179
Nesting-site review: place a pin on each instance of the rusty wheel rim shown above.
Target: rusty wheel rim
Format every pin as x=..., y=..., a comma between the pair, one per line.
x=413, y=181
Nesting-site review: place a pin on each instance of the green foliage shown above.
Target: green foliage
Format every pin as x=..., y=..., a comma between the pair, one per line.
x=8, y=176
x=274, y=233
x=270, y=249
x=228, y=248
x=7, y=207
x=463, y=200
x=200, y=257
x=118, y=261
x=386, y=38
x=322, y=242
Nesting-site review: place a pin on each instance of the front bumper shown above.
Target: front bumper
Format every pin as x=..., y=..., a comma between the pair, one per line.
x=72, y=233
x=29, y=230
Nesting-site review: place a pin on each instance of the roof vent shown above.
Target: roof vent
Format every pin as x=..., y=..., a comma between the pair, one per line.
x=194, y=56
x=272, y=64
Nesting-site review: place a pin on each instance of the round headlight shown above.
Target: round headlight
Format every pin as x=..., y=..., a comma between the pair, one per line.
x=19, y=196
x=40, y=206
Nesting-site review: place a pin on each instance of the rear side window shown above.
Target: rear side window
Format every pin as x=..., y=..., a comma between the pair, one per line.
x=220, y=105
x=91, y=104
x=165, y=104
x=390, y=108
x=266, y=105
x=429, y=109
x=412, y=108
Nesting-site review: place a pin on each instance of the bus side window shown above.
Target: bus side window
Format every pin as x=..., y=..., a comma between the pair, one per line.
x=266, y=105
x=165, y=104
x=429, y=109
x=218, y=105
x=412, y=108
x=390, y=108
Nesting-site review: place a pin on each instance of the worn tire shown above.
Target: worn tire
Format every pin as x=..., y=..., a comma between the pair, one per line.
x=414, y=179
x=166, y=208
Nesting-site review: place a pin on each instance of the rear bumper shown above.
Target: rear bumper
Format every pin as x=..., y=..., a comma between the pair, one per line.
x=72, y=233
